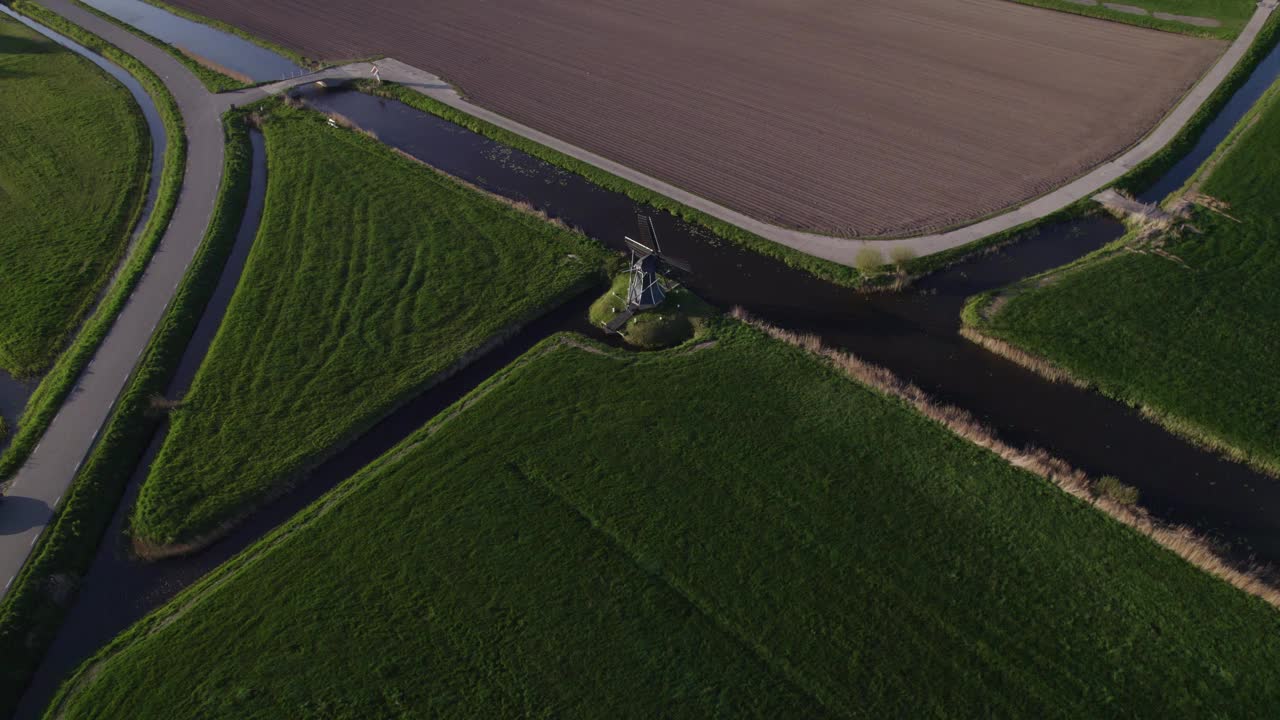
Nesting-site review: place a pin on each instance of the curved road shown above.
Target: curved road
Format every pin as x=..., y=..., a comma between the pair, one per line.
x=39, y=485
x=844, y=250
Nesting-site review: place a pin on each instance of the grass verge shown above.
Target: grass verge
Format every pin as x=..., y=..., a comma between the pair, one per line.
x=592, y=533
x=214, y=80
x=74, y=163
x=298, y=59
x=1146, y=173
x=1232, y=14
x=1184, y=327
x=42, y=593
x=824, y=269
x=53, y=389
x=372, y=278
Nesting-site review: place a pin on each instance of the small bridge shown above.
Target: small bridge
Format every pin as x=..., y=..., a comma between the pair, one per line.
x=1129, y=208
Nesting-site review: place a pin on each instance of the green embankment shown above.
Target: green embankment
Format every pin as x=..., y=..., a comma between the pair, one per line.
x=596, y=534
x=825, y=269
x=371, y=275
x=681, y=316
x=43, y=404
x=213, y=80
x=1231, y=14
x=38, y=599
x=1191, y=335
x=74, y=159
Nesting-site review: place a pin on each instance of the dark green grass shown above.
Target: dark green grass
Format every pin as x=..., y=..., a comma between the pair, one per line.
x=592, y=534
x=370, y=275
x=1198, y=345
x=43, y=404
x=1233, y=14
x=680, y=317
x=74, y=159
x=31, y=612
x=825, y=269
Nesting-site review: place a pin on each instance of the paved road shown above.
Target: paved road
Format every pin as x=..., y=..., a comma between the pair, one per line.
x=41, y=482
x=844, y=250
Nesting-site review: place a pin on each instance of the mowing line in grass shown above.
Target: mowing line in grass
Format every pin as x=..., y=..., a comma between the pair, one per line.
x=371, y=278
x=861, y=552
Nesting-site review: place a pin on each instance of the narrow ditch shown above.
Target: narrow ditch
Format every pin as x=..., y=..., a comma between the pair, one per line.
x=915, y=334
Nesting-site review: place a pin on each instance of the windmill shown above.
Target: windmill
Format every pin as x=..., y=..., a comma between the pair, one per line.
x=645, y=290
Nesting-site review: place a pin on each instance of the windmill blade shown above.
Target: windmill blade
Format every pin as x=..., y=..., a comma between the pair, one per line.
x=638, y=249
x=676, y=263
x=648, y=236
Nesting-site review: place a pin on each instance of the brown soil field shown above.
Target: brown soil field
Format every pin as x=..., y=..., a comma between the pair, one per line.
x=846, y=117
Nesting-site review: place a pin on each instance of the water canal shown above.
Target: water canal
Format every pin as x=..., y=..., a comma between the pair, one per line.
x=14, y=392
x=913, y=333
x=204, y=41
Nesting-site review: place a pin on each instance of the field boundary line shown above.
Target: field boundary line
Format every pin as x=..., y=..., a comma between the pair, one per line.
x=835, y=249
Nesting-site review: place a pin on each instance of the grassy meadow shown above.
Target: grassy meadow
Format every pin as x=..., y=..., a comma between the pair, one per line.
x=600, y=534
x=74, y=158
x=1191, y=335
x=1232, y=14
x=370, y=275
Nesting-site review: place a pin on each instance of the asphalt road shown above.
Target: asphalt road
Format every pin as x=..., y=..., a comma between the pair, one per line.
x=837, y=249
x=40, y=484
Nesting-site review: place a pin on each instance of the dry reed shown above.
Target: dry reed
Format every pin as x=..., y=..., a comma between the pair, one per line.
x=1178, y=539
x=1039, y=365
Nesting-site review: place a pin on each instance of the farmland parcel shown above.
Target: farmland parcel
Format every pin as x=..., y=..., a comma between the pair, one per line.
x=593, y=534
x=1188, y=328
x=370, y=274
x=869, y=117
x=73, y=171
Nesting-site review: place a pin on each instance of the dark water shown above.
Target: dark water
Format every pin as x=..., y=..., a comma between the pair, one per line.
x=914, y=334
x=13, y=398
x=1263, y=76
x=13, y=392
x=224, y=48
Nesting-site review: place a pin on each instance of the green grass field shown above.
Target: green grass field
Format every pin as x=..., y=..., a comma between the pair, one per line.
x=597, y=534
x=1232, y=14
x=1195, y=344
x=370, y=275
x=74, y=158
x=680, y=317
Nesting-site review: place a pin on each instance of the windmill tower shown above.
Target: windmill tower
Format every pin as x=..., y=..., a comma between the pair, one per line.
x=645, y=290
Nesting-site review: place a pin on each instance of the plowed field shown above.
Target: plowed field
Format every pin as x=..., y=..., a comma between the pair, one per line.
x=853, y=117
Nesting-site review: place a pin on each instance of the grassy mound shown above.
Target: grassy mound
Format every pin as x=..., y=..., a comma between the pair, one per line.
x=370, y=276
x=74, y=158
x=1190, y=331
x=680, y=317
x=604, y=534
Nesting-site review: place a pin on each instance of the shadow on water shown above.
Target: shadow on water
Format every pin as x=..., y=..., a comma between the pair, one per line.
x=913, y=333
